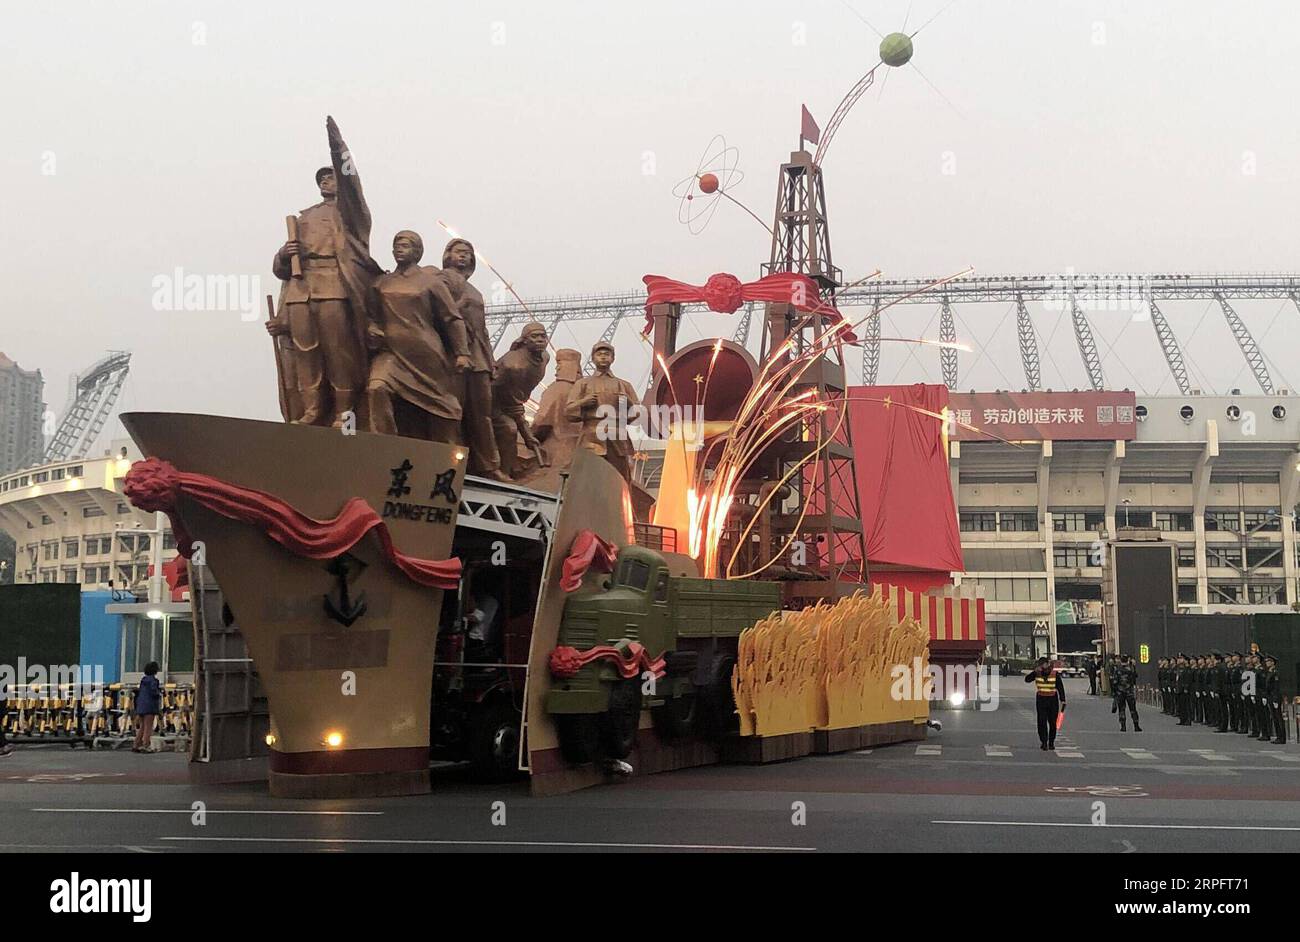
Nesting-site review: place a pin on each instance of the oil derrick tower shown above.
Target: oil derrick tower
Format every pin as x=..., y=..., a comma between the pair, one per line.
x=821, y=513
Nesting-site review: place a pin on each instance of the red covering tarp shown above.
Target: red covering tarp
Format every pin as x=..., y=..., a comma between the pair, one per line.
x=904, y=492
x=913, y=580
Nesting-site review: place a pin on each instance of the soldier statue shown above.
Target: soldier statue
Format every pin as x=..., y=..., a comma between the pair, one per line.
x=517, y=375
x=554, y=430
x=601, y=403
x=327, y=271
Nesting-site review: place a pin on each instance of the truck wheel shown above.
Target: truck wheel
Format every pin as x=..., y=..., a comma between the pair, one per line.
x=717, y=710
x=680, y=663
x=618, y=724
x=676, y=718
x=579, y=736
x=494, y=741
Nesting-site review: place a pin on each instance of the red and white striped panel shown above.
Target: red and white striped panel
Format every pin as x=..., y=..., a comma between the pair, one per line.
x=952, y=613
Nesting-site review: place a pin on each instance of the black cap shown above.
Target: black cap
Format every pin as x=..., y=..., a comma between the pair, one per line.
x=321, y=172
x=1042, y=660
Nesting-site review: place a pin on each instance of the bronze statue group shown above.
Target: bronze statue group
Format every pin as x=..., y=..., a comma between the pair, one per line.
x=407, y=352
x=1231, y=692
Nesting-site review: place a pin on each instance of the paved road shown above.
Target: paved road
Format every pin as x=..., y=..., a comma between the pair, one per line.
x=982, y=784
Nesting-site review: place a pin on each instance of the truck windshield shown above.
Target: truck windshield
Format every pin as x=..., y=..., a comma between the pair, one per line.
x=636, y=575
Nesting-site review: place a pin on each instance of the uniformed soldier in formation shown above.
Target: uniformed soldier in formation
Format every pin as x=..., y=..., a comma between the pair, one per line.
x=1243, y=706
x=1161, y=667
x=1194, y=677
x=1183, y=690
x=1231, y=690
x=1274, y=696
x=1249, y=684
x=1214, y=676
x=1124, y=688
x=1263, y=679
x=1199, y=678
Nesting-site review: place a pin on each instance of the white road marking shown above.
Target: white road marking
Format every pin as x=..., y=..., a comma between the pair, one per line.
x=929, y=750
x=193, y=811
x=1066, y=749
x=1282, y=756
x=1210, y=755
x=1112, y=824
x=1134, y=752
x=444, y=843
x=1002, y=751
x=863, y=752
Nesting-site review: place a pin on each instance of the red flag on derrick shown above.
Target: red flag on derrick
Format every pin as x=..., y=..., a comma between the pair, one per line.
x=808, y=129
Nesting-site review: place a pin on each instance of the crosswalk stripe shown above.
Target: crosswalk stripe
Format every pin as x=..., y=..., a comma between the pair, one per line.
x=1136, y=753
x=1279, y=755
x=1210, y=755
x=999, y=751
x=929, y=750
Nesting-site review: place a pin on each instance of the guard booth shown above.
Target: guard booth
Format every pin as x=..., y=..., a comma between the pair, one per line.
x=154, y=631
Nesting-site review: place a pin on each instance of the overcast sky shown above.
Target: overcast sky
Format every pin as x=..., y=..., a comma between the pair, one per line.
x=1099, y=136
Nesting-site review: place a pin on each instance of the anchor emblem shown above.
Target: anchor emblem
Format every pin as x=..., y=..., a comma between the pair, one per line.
x=343, y=610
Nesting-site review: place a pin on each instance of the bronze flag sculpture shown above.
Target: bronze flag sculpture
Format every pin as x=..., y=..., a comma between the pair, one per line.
x=327, y=270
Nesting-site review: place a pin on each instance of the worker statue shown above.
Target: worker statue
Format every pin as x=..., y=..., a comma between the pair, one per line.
x=417, y=337
x=601, y=402
x=327, y=270
x=458, y=265
x=517, y=375
x=556, y=433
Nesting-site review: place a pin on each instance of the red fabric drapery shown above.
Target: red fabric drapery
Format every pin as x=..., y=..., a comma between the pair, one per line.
x=586, y=551
x=726, y=293
x=904, y=489
x=154, y=485
x=566, y=661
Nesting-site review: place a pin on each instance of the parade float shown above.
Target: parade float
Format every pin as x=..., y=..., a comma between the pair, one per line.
x=434, y=555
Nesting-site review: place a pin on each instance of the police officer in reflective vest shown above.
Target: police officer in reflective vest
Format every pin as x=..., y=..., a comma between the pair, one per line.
x=1050, y=696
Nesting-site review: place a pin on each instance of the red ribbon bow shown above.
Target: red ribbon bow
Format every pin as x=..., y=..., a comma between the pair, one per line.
x=566, y=661
x=726, y=293
x=586, y=551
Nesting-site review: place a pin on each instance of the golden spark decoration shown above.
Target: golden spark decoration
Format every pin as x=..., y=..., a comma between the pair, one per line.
x=773, y=408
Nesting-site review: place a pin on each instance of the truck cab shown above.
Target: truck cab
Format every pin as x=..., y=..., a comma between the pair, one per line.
x=687, y=625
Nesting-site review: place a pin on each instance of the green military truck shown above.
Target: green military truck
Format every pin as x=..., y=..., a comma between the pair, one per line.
x=691, y=623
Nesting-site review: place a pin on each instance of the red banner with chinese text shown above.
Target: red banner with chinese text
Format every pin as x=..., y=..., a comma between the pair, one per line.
x=1039, y=416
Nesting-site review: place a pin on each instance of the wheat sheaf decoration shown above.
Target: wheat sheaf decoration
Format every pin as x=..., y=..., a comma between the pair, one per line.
x=827, y=667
